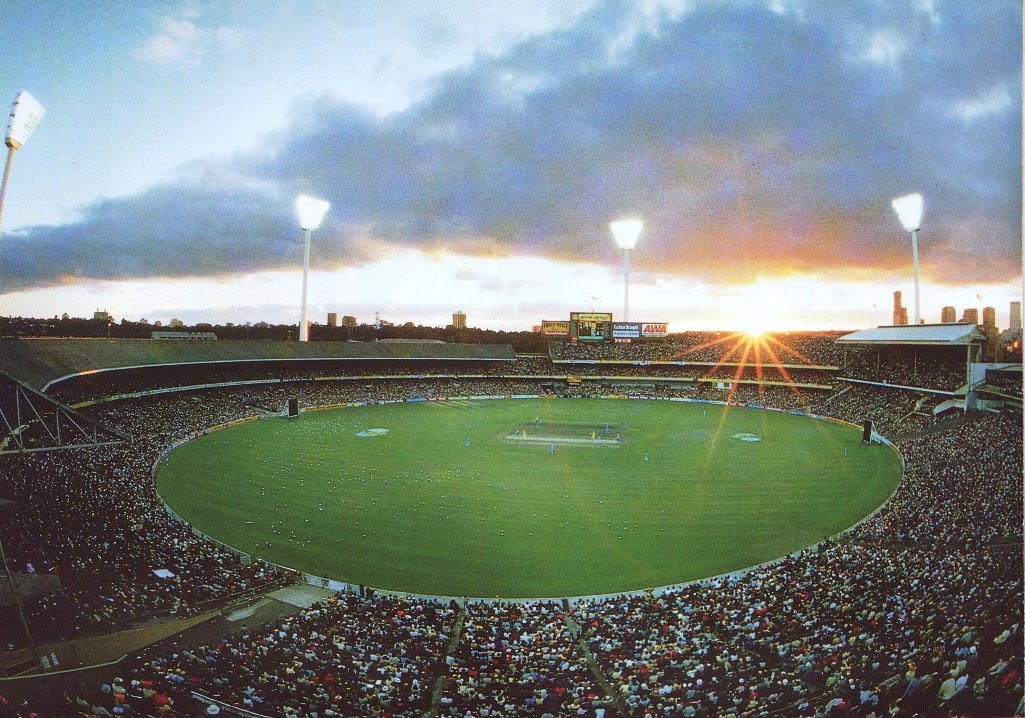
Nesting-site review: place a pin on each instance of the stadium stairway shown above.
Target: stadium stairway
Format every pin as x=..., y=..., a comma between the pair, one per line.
x=86, y=662
x=836, y=395
x=442, y=681
x=603, y=681
x=574, y=628
x=941, y=426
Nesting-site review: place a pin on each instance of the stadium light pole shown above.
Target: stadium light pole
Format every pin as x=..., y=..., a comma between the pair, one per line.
x=909, y=211
x=25, y=115
x=311, y=212
x=626, y=232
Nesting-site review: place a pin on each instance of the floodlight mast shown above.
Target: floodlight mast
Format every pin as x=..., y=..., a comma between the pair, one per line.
x=311, y=212
x=626, y=232
x=25, y=115
x=909, y=211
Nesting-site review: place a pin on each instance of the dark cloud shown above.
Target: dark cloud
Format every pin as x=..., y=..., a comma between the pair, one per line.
x=751, y=142
x=170, y=231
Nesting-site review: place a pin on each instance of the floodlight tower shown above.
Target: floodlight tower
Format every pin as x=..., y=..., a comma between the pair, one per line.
x=311, y=212
x=626, y=232
x=909, y=210
x=25, y=115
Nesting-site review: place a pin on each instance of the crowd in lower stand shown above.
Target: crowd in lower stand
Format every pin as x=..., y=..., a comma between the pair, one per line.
x=347, y=656
x=888, y=408
x=915, y=612
x=845, y=630
x=962, y=487
x=520, y=660
x=95, y=522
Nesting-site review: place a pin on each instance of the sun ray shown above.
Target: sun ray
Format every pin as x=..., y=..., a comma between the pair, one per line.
x=746, y=345
x=785, y=374
x=758, y=351
x=769, y=338
x=705, y=345
x=757, y=342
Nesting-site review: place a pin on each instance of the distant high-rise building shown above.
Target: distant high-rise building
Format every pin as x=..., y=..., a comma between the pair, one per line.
x=99, y=316
x=459, y=320
x=332, y=319
x=971, y=316
x=989, y=318
x=1010, y=338
x=900, y=313
x=989, y=330
x=948, y=316
x=348, y=321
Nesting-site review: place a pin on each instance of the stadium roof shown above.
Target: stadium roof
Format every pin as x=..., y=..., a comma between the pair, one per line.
x=1011, y=369
x=39, y=362
x=922, y=334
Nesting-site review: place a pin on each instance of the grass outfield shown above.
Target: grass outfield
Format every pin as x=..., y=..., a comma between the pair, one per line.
x=417, y=509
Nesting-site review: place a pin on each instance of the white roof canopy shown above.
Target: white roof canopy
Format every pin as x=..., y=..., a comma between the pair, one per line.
x=923, y=334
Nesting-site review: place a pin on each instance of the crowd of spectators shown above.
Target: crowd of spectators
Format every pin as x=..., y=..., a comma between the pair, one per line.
x=777, y=397
x=891, y=410
x=791, y=348
x=647, y=351
x=668, y=371
x=915, y=612
x=843, y=630
x=943, y=370
x=962, y=486
x=1008, y=382
x=95, y=522
x=752, y=373
x=520, y=660
x=347, y=656
x=534, y=365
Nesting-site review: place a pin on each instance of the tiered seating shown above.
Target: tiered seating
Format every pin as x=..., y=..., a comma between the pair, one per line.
x=916, y=612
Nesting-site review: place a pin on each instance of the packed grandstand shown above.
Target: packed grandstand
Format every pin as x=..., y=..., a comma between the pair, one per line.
x=916, y=611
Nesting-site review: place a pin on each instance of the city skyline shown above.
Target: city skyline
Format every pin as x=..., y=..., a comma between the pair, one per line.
x=459, y=320
x=474, y=156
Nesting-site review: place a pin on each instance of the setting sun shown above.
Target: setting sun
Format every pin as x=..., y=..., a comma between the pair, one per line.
x=754, y=323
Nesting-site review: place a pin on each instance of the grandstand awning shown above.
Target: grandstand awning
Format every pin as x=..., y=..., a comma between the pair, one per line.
x=30, y=422
x=39, y=362
x=920, y=335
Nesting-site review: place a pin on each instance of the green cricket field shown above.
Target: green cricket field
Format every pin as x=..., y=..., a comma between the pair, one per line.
x=527, y=497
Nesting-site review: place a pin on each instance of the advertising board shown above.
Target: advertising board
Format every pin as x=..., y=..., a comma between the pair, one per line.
x=626, y=330
x=554, y=328
x=651, y=330
x=590, y=317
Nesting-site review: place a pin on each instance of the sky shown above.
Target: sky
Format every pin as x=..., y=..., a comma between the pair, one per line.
x=474, y=154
